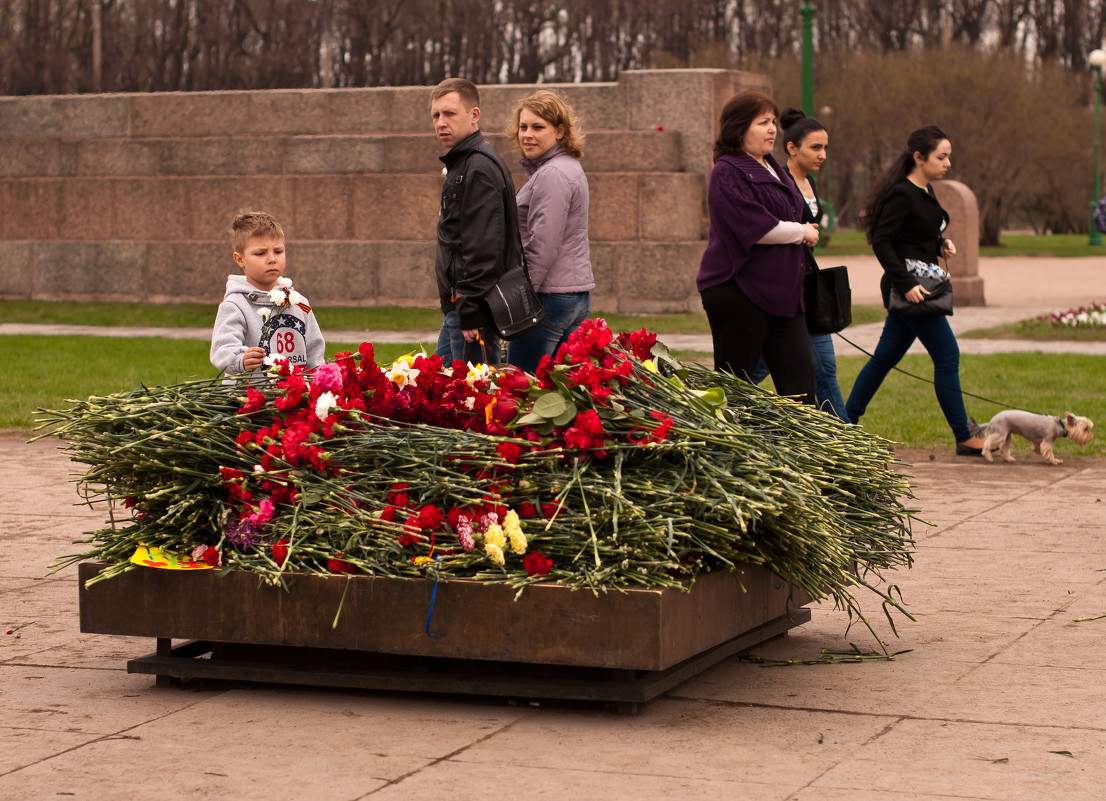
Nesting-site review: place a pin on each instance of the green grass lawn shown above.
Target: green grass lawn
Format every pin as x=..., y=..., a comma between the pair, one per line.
x=47, y=371
x=848, y=243
x=44, y=372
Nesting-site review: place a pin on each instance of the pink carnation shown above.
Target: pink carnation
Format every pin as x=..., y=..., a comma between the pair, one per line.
x=328, y=377
x=263, y=515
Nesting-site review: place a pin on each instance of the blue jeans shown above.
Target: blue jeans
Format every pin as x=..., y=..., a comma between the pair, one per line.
x=898, y=335
x=564, y=311
x=452, y=346
x=826, y=391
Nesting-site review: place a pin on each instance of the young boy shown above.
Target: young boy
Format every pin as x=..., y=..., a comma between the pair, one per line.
x=251, y=324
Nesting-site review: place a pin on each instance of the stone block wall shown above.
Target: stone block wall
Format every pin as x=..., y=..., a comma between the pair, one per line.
x=130, y=197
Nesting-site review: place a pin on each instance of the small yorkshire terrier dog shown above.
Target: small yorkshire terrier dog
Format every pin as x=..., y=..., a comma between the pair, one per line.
x=1040, y=429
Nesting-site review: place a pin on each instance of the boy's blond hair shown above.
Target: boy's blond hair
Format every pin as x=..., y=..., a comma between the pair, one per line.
x=253, y=223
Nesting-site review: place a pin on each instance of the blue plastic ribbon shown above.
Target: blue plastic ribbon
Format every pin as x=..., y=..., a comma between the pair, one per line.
x=433, y=594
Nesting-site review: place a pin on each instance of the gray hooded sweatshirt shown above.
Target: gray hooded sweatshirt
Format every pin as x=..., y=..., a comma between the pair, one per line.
x=294, y=335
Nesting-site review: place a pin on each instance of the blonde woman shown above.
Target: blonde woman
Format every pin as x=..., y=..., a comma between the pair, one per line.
x=553, y=222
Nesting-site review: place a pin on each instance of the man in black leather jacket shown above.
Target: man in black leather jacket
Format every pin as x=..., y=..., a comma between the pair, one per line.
x=475, y=239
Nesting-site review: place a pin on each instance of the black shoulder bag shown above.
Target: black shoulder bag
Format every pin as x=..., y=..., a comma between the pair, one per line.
x=827, y=297
x=515, y=307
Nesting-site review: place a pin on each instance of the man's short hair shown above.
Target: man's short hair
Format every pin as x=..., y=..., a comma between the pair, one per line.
x=253, y=223
x=470, y=95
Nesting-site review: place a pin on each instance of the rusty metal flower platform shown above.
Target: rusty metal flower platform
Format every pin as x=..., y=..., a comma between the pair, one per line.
x=624, y=648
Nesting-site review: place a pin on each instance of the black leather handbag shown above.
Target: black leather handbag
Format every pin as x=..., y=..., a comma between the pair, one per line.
x=937, y=302
x=514, y=305
x=828, y=299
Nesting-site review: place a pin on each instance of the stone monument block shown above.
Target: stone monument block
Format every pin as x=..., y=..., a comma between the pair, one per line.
x=329, y=272
x=32, y=209
x=32, y=117
x=88, y=209
x=186, y=114
x=117, y=157
x=631, y=151
x=54, y=158
x=321, y=208
x=150, y=209
x=108, y=270
x=412, y=153
x=222, y=155
x=335, y=154
x=614, y=211
x=191, y=272
x=287, y=111
x=213, y=202
x=605, y=295
x=387, y=208
x=672, y=206
x=15, y=270
x=405, y=275
x=97, y=116
x=411, y=110
x=362, y=111
x=656, y=277
x=959, y=201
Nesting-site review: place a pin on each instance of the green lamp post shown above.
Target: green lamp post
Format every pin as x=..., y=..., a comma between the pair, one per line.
x=807, y=12
x=1097, y=58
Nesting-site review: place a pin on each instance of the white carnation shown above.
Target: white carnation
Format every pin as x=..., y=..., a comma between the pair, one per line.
x=324, y=404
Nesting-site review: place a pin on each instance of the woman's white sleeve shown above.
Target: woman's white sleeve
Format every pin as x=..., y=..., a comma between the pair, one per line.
x=785, y=233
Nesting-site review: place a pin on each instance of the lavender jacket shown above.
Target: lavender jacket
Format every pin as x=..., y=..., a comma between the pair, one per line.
x=745, y=202
x=553, y=221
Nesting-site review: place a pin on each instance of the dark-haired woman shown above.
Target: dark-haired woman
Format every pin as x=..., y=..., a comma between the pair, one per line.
x=806, y=142
x=905, y=225
x=751, y=274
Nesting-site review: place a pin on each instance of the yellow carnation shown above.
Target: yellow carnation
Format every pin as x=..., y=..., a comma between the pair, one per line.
x=494, y=536
x=514, y=532
x=495, y=553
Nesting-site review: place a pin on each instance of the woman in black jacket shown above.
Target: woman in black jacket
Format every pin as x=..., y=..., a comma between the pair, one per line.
x=905, y=225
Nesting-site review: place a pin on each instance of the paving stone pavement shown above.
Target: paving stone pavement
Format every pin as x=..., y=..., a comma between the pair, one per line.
x=998, y=697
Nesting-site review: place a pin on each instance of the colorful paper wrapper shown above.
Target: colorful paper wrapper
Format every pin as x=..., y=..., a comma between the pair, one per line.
x=155, y=557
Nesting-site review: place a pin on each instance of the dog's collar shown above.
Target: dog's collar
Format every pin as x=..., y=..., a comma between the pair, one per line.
x=1063, y=426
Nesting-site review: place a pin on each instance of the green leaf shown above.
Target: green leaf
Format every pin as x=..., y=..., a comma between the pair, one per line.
x=550, y=405
x=530, y=419
x=567, y=416
x=715, y=397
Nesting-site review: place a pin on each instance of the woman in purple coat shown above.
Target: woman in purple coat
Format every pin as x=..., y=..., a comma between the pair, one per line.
x=751, y=275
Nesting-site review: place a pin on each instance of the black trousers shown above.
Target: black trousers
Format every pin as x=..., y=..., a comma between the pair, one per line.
x=742, y=331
